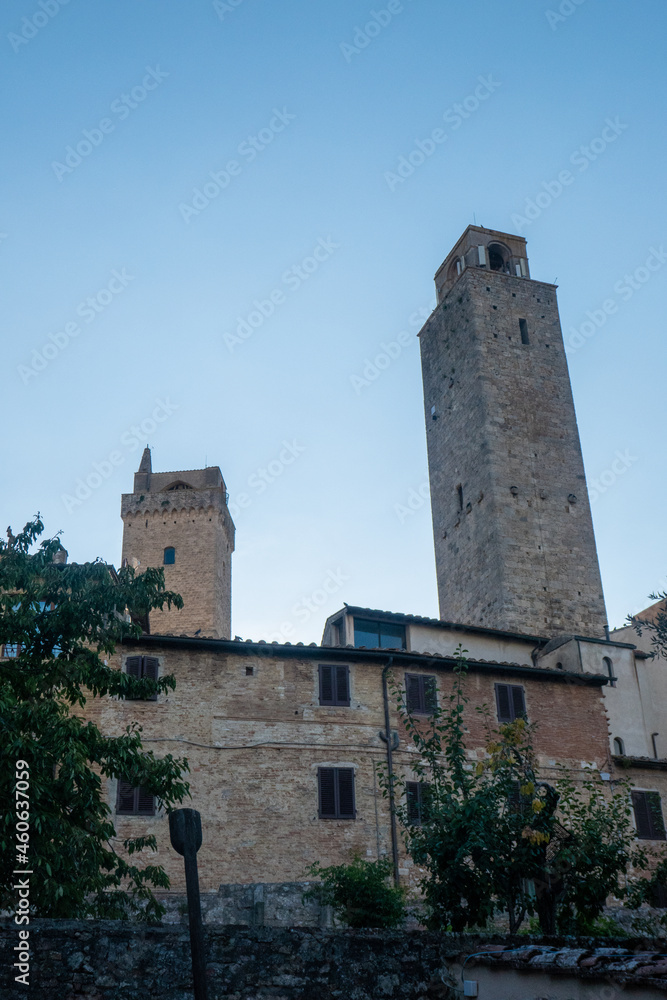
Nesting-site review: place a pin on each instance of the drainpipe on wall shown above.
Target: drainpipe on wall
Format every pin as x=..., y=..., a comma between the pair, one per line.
x=390, y=771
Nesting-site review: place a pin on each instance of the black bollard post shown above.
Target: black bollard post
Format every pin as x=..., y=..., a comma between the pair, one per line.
x=185, y=833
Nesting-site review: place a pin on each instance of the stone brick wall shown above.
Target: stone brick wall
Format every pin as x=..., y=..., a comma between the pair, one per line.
x=197, y=523
x=116, y=961
x=524, y=561
x=255, y=741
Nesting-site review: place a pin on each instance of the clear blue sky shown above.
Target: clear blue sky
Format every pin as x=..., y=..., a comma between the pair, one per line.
x=301, y=116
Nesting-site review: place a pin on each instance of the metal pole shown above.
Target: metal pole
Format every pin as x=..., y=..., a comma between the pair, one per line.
x=390, y=772
x=186, y=838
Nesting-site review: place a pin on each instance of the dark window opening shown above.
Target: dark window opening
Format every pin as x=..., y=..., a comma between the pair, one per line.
x=249, y=671
x=496, y=261
x=648, y=816
x=459, y=495
x=169, y=556
x=416, y=800
x=334, y=684
x=139, y=667
x=336, y=792
x=609, y=667
x=133, y=801
x=523, y=327
x=420, y=694
x=510, y=702
x=619, y=746
x=378, y=634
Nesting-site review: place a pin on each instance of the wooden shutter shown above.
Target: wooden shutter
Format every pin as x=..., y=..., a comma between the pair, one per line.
x=642, y=815
x=503, y=703
x=125, y=802
x=413, y=801
x=149, y=669
x=342, y=686
x=145, y=802
x=655, y=814
x=133, y=666
x=326, y=684
x=518, y=702
x=430, y=694
x=413, y=693
x=345, y=777
x=327, y=783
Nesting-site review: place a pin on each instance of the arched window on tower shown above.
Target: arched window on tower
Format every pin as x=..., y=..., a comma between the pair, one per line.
x=169, y=556
x=498, y=257
x=609, y=667
x=619, y=747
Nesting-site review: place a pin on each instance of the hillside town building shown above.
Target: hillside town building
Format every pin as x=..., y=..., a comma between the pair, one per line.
x=285, y=740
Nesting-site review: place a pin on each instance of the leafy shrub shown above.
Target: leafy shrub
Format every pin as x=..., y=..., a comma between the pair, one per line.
x=360, y=893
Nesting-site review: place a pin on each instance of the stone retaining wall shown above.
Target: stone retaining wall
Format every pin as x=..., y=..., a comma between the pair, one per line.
x=113, y=960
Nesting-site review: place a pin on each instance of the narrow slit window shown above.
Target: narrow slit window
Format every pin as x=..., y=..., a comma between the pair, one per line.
x=459, y=496
x=609, y=667
x=523, y=329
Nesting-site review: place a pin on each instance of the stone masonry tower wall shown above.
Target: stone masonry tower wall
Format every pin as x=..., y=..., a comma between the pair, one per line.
x=185, y=512
x=514, y=541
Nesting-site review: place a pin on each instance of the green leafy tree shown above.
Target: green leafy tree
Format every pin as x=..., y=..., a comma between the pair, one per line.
x=492, y=838
x=656, y=627
x=483, y=829
x=361, y=893
x=594, y=856
x=63, y=622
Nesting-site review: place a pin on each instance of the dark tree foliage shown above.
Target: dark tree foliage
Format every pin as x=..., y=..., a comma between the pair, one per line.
x=494, y=839
x=361, y=892
x=65, y=622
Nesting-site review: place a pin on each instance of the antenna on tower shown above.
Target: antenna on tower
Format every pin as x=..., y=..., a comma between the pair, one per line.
x=474, y=219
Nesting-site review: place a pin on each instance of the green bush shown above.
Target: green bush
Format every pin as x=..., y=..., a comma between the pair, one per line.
x=360, y=893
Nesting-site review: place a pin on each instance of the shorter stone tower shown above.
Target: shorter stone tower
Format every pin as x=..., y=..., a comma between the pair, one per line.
x=180, y=521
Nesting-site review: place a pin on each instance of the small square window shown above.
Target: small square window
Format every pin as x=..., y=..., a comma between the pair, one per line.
x=334, y=684
x=249, y=671
x=140, y=667
x=133, y=801
x=510, y=702
x=420, y=694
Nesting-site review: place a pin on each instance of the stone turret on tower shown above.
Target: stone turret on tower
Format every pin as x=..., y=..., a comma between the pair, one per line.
x=180, y=521
x=514, y=540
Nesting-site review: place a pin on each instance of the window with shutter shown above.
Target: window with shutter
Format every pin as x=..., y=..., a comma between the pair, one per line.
x=134, y=801
x=327, y=783
x=420, y=694
x=326, y=684
x=648, y=815
x=342, y=686
x=416, y=796
x=345, y=776
x=142, y=666
x=336, y=792
x=334, y=685
x=510, y=702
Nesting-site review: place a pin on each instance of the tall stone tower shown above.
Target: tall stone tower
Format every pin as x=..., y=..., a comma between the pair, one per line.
x=180, y=521
x=514, y=540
